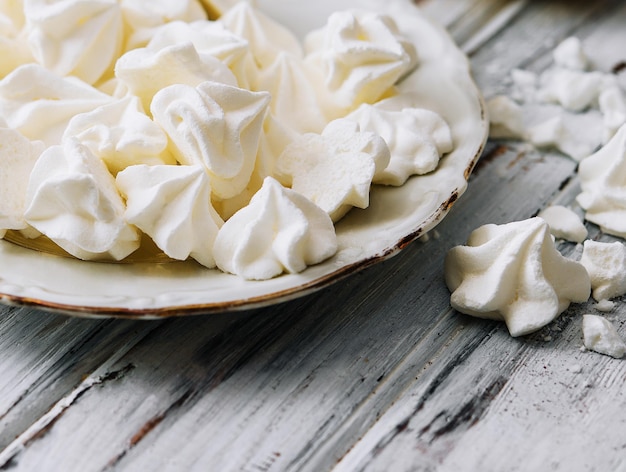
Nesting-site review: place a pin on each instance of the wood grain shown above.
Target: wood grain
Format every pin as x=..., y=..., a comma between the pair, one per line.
x=374, y=373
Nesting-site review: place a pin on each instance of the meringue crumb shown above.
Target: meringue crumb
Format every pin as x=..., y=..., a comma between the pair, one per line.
x=601, y=336
x=605, y=306
x=575, y=368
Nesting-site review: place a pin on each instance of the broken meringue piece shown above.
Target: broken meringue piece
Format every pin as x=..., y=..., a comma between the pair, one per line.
x=416, y=138
x=513, y=272
x=554, y=133
x=72, y=199
x=121, y=134
x=17, y=159
x=361, y=55
x=573, y=90
x=172, y=205
x=77, y=38
x=279, y=231
x=335, y=169
x=505, y=118
x=569, y=54
x=606, y=265
x=600, y=336
x=603, y=187
x=216, y=125
x=564, y=223
x=40, y=104
x=612, y=104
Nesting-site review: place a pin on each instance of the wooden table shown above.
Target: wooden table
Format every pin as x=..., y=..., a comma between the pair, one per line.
x=375, y=373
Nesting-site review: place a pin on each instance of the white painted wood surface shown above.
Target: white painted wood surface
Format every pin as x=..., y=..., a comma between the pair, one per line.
x=374, y=373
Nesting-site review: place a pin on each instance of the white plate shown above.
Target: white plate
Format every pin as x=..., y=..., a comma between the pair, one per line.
x=396, y=216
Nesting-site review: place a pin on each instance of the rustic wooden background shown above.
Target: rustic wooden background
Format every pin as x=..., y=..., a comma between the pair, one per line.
x=375, y=373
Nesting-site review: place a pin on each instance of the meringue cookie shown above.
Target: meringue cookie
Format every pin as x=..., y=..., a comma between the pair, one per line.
x=212, y=38
x=361, y=56
x=72, y=199
x=505, y=118
x=217, y=8
x=144, y=17
x=606, y=265
x=573, y=90
x=145, y=71
x=514, y=273
x=569, y=54
x=266, y=37
x=39, y=104
x=564, y=223
x=171, y=204
x=612, y=103
x=215, y=125
x=335, y=169
x=279, y=231
x=601, y=336
x=78, y=38
x=603, y=188
x=14, y=49
x=416, y=138
x=553, y=133
x=121, y=135
x=17, y=159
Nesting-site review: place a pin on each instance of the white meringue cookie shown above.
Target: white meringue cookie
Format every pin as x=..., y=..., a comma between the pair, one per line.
x=603, y=188
x=279, y=231
x=606, y=265
x=335, y=169
x=416, y=138
x=17, y=160
x=514, y=273
x=554, y=133
x=612, y=103
x=600, y=335
x=361, y=55
x=505, y=118
x=569, y=54
x=72, y=199
x=266, y=37
x=145, y=71
x=172, y=205
x=121, y=135
x=39, y=104
x=573, y=90
x=215, y=125
x=78, y=38
x=564, y=223
x=144, y=17
x=212, y=38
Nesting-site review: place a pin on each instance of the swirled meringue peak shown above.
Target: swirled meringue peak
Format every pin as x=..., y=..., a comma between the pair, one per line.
x=513, y=272
x=144, y=17
x=266, y=37
x=81, y=39
x=361, y=56
x=172, y=205
x=215, y=125
x=72, y=199
x=40, y=104
x=17, y=159
x=145, y=71
x=121, y=135
x=279, y=231
x=335, y=169
x=416, y=138
x=604, y=186
x=14, y=49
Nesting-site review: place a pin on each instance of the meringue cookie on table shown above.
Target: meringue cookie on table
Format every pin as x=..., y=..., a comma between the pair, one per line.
x=216, y=125
x=40, y=104
x=146, y=71
x=279, y=231
x=172, y=205
x=416, y=138
x=72, y=199
x=17, y=159
x=606, y=265
x=360, y=55
x=569, y=54
x=513, y=272
x=600, y=335
x=334, y=169
x=78, y=38
x=564, y=223
x=121, y=135
x=603, y=193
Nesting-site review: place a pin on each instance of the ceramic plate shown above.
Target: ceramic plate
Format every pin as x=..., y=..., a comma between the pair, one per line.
x=396, y=216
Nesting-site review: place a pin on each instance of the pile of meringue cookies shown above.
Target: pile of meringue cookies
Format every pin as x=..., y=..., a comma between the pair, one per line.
x=513, y=272
x=229, y=141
